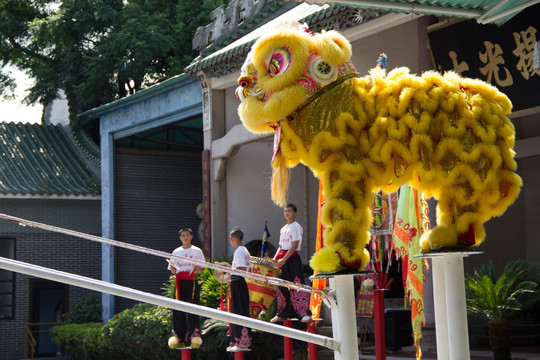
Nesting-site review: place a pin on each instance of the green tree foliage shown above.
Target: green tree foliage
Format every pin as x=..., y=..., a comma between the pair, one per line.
x=97, y=51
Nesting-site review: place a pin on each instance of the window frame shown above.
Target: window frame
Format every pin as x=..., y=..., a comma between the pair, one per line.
x=11, y=316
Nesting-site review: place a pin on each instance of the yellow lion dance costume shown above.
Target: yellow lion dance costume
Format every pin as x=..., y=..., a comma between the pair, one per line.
x=447, y=136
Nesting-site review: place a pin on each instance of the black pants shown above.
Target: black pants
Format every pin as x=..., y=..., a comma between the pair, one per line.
x=186, y=325
x=292, y=303
x=241, y=335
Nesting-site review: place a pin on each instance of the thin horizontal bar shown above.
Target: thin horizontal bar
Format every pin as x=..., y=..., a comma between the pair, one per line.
x=105, y=287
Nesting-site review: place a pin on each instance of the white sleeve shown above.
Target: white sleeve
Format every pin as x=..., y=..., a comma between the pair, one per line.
x=241, y=258
x=297, y=233
x=201, y=256
x=246, y=259
x=174, y=262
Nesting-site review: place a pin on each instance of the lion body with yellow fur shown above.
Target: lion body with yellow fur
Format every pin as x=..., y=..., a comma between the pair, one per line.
x=445, y=135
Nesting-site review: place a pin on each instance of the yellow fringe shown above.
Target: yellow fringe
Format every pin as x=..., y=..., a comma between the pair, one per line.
x=280, y=180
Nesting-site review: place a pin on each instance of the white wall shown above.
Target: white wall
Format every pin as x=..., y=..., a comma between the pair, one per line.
x=398, y=43
x=249, y=202
x=231, y=108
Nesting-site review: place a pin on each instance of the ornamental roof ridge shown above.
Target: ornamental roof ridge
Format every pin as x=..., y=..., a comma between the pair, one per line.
x=226, y=28
x=230, y=58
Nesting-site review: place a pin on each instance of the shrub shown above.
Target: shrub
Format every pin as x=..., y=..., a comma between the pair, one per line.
x=211, y=289
x=86, y=310
x=80, y=341
x=498, y=298
x=140, y=333
x=168, y=287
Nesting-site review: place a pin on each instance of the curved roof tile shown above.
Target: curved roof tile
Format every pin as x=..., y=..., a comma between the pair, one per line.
x=40, y=159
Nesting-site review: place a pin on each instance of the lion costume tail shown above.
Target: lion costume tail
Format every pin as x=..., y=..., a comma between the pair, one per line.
x=280, y=179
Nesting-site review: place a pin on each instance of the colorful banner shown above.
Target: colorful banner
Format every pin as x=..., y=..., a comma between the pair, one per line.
x=383, y=209
x=364, y=302
x=316, y=300
x=412, y=220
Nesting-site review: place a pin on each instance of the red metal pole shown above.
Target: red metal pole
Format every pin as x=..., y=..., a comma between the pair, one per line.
x=186, y=353
x=312, y=348
x=239, y=355
x=378, y=318
x=287, y=343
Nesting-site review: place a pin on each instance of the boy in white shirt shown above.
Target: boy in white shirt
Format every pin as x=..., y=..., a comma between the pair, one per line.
x=186, y=326
x=239, y=300
x=291, y=302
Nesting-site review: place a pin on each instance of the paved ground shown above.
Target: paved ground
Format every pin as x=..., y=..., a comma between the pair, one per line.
x=518, y=353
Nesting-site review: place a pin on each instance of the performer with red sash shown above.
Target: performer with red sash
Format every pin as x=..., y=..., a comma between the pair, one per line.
x=291, y=303
x=186, y=326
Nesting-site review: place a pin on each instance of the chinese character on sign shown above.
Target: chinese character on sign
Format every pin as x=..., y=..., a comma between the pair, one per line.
x=458, y=68
x=493, y=58
x=525, y=41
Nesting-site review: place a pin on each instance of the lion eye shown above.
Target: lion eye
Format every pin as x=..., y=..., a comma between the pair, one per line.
x=322, y=71
x=279, y=62
x=324, y=68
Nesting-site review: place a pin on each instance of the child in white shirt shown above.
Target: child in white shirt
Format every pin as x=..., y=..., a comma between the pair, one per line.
x=241, y=336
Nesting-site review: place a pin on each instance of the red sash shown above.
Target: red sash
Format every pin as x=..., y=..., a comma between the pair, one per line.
x=183, y=275
x=282, y=253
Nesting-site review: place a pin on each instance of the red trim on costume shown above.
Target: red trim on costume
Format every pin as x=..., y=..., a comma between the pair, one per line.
x=355, y=265
x=468, y=239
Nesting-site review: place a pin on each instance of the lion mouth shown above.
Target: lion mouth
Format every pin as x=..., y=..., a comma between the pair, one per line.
x=242, y=93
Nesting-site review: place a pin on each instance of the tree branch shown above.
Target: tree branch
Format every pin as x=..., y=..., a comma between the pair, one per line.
x=18, y=46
